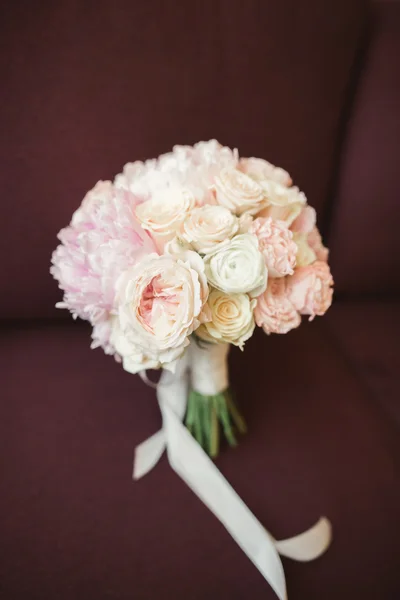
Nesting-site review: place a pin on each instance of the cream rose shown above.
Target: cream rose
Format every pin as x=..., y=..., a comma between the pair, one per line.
x=237, y=266
x=207, y=226
x=276, y=245
x=274, y=312
x=160, y=302
x=260, y=169
x=177, y=247
x=305, y=254
x=232, y=319
x=163, y=214
x=310, y=289
x=238, y=192
x=282, y=203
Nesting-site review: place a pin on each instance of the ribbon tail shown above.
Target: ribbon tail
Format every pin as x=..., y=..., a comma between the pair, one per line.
x=193, y=465
x=307, y=545
x=172, y=389
x=148, y=453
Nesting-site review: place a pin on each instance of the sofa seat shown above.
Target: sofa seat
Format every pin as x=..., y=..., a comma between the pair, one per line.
x=74, y=526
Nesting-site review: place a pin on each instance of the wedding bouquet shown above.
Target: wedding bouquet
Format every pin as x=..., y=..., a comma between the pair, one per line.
x=183, y=256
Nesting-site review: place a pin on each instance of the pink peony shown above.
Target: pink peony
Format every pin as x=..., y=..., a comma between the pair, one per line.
x=314, y=240
x=103, y=239
x=276, y=245
x=274, y=311
x=310, y=289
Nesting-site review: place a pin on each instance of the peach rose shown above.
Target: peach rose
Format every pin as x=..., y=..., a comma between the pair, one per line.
x=315, y=242
x=160, y=302
x=238, y=192
x=274, y=311
x=276, y=245
x=207, y=226
x=310, y=289
x=163, y=214
x=260, y=169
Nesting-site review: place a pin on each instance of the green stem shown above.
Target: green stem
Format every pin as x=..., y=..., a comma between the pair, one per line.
x=206, y=414
x=214, y=438
x=235, y=414
x=225, y=420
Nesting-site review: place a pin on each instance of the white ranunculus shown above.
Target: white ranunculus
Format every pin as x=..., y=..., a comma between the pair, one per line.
x=305, y=254
x=237, y=266
x=232, y=320
x=163, y=214
x=238, y=192
x=207, y=226
x=160, y=301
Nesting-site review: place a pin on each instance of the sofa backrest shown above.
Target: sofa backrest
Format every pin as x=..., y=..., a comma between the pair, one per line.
x=364, y=236
x=88, y=86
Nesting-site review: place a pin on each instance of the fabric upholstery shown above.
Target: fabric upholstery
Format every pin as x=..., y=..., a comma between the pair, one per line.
x=368, y=333
x=364, y=234
x=74, y=525
x=90, y=86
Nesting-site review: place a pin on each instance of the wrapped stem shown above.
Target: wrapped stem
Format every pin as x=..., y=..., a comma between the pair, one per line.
x=210, y=405
x=209, y=368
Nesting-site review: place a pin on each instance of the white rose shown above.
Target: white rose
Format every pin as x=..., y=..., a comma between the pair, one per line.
x=238, y=192
x=164, y=213
x=159, y=303
x=232, y=320
x=283, y=203
x=237, y=266
x=207, y=226
x=305, y=254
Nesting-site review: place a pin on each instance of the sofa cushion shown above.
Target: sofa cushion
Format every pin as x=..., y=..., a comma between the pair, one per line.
x=74, y=524
x=87, y=88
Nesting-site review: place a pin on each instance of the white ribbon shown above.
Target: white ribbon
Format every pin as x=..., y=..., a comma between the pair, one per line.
x=193, y=465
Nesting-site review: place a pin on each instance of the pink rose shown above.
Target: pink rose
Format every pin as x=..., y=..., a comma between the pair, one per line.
x=160, y=302
x=306, y=220
x=310, y=289
x=276, y=245
x=315, y=242
x=274, y=311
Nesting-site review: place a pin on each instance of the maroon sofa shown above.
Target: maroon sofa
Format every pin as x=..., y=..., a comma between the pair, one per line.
x=312, y=86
